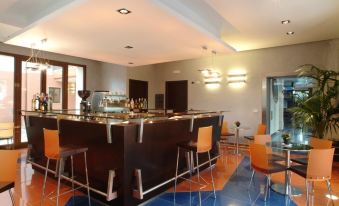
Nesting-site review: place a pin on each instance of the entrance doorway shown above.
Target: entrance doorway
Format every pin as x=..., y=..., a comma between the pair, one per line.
x=176, y=96
x=283, y=92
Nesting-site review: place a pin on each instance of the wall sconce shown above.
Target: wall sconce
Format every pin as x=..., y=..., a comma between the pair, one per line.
x=237, y=80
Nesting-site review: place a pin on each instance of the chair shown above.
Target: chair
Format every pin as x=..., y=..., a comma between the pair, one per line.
x=224, y=136
x=315, y=143
x=261, y=130
x=53, y=151
x=8, y=159
x=318, y=168
x=6, y=131
x=260, y=163
x=203, y=145
x=263, y=139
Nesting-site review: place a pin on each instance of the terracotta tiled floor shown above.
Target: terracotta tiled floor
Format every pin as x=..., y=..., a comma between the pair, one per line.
x=28, y=188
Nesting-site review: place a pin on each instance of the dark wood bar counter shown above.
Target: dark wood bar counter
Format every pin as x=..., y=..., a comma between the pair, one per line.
x=127, y=157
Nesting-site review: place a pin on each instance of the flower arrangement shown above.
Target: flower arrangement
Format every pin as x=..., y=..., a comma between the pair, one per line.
x=237, y=123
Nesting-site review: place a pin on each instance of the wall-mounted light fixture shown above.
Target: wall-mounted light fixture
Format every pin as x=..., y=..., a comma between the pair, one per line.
x=236, y=80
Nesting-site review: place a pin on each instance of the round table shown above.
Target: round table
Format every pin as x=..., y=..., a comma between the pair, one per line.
x=295, y=147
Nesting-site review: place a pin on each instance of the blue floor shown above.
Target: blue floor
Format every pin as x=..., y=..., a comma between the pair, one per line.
x=235, y=193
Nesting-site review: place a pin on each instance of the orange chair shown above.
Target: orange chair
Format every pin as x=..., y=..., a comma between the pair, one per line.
x=203, y=145
x=8, y=159
x=53, y=151
x=7, y=131
x=318, y=168
x=260, y=163
x=263, y=139
x=315, y=143
x=261, y=130
x=224, y=136
x=224, y=130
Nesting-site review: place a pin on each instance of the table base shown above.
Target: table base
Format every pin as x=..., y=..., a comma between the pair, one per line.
x=280, y=188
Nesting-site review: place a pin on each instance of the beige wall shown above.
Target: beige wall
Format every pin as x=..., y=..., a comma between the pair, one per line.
x=244, y=104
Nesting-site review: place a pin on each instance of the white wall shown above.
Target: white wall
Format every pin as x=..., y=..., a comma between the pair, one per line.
x=245, y=103
x=112, y=77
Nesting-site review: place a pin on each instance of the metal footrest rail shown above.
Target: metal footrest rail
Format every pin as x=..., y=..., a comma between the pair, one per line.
x=139, y=193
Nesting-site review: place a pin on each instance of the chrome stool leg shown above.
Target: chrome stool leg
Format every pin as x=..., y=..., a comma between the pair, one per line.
x=330, y=191
x=72, y=177
x=44, y=184
x=87, y=182
x=251, y=180
x=176, y=173
x=12, y=197
x=58, y=186
x=209, y=160
x=198, y=172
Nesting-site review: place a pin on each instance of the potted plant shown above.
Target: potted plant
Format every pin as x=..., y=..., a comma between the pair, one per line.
x=319, y=111
x=286, y=138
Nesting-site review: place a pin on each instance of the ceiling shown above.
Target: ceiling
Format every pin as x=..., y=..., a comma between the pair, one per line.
x=164, y=30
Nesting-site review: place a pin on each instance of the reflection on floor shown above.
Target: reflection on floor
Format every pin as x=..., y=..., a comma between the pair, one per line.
x=231, y=175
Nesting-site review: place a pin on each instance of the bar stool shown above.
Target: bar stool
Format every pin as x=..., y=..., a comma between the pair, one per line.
x=203, y=145
x=53, y=151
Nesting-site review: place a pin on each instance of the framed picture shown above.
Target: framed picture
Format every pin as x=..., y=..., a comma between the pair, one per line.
x=55, y=93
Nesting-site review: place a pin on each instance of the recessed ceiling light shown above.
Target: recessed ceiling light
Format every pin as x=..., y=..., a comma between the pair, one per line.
x=130, y=63
x=285, y=21
x=128, y=47
x=123, y=11
x=290, y=33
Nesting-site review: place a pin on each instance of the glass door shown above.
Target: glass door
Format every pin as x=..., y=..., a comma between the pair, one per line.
x=284, y=92
x=6, y=99
x=54, y=86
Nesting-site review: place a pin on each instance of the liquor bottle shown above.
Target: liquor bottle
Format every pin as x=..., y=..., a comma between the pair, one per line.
x=45, y=103
x=145, y=103
x=37, y=102
x=141, y=104
x=41, y=106
x=132, y=104
x=33, y=102
x=50, y=103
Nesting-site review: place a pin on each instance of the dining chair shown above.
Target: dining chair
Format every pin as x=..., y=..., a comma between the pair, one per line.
x=8, y=159
x=263, y=139
x=260, y=163
x=315, y=143
x=7, y=131
x=318, y=168
x=261, y=130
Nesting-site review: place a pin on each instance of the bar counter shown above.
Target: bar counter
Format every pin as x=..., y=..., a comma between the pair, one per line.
x=131, y=157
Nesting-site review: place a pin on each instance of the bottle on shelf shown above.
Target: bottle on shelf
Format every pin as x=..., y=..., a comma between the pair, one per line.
x=132, y=104
x=50, y=103
x=37, y=102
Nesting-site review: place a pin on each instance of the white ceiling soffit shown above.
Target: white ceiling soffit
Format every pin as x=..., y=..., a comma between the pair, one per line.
x=202, y=16
x=258, y=22
x=19, y=15
x=95, y=30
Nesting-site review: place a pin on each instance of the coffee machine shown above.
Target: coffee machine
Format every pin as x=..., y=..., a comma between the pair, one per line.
x=85, y=106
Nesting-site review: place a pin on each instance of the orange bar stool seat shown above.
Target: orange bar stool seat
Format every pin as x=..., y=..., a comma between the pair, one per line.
x=8, y=159
x=53, y=151
x=318, y=168
x=315, y=143
x=203, y=145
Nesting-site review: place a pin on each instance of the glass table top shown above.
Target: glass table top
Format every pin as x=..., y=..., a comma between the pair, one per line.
x=291, y=147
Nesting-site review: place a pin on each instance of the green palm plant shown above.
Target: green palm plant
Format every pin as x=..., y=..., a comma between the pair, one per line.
x=320, y=110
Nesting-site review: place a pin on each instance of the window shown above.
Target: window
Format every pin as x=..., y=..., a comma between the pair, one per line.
x=6, y=98
x=75, y=83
